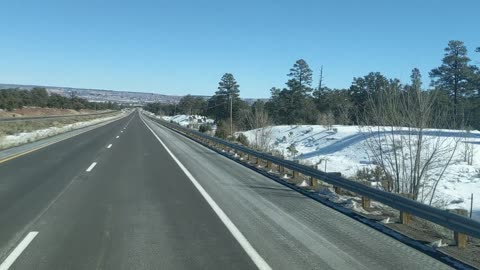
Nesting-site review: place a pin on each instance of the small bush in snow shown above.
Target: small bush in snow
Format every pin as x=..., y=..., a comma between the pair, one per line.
x=242, y=139
x=292, y=150
x=205, y=128
x=221, y=133
x=374, y=175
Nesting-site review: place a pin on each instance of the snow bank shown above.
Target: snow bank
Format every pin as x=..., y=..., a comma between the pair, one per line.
x=343, y=149
x=185, y=120
x=27, y=137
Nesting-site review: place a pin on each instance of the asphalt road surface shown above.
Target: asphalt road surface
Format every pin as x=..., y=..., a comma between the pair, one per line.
x=134, y=195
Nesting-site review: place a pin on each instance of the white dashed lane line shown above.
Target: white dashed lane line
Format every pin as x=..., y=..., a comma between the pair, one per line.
x=18, y=251
x=89, y=169
x=110, y=145
x=117, y=137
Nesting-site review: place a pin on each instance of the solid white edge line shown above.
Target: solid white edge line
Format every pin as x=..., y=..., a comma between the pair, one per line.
x=242, y=240
x=17, y=251
x=110, y=145
x=91, y=166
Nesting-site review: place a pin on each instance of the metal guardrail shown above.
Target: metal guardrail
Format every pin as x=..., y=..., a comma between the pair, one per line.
x=34, y=118
x=457, y=223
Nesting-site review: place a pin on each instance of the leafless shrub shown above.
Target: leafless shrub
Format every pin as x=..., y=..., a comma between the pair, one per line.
x=257, y=119
x=326, y=120
x=396, y=129
x=467, y=148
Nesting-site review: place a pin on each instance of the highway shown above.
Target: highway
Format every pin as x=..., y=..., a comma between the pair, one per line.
x=134, y=195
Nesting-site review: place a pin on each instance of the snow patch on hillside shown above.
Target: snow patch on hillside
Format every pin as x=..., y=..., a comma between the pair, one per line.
x=343, y=149
x=185, y=120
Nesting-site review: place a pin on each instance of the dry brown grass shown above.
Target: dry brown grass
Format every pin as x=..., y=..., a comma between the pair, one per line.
x=35, y=111
x=12, y=128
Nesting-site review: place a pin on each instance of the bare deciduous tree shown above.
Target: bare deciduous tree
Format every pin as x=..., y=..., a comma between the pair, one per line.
x=257, y=119
x=326, y=120
x=398, y=130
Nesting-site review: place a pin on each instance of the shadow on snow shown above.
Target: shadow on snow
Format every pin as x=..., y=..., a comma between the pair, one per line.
x=356, y=138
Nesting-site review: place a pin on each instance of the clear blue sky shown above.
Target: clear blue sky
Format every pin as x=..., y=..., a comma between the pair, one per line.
x=184, y=47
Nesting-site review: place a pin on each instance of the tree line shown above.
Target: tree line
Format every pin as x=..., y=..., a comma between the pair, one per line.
x=14, y=98
x=455, y=85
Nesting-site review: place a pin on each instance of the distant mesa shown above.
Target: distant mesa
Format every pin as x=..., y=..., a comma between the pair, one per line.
x=100, y=95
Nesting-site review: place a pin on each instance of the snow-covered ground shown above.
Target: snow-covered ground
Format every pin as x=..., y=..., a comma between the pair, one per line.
x=344, y=149
x=26, y=137
x=185, y=120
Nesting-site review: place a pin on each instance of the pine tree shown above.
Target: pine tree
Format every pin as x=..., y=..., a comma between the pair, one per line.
x=416, y=79
x=186, y=104
x=301, y=77
x=454, y=75
x=39, y=96
x=365, y=87
x=219, y=104
x=293, y=105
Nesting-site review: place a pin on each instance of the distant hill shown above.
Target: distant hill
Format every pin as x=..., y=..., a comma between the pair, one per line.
x=101, y=95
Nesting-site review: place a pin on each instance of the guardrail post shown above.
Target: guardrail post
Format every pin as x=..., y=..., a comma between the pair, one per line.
x=405, y=217
x=269, y=165
x=296, y=175
x=460, y=238
x=365, y=203
x=313, y=183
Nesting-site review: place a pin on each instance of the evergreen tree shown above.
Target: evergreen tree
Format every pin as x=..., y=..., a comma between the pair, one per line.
x=191, y=105
x=15, y=98
x=454, y=75
x=293, y=105
x=361, y=90
x=219, y=104
x=416, y=78
x=301, y=77
x=39, y=96
x=186, y=104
